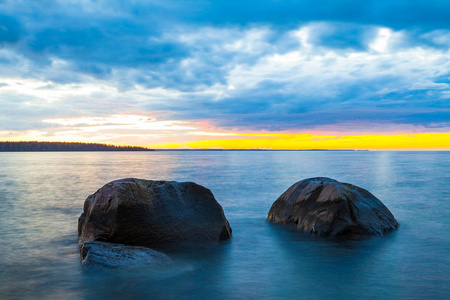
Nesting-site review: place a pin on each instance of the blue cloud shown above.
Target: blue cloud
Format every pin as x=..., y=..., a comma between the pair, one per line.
x=10, y=30
x=239, y=65
x=396, y=14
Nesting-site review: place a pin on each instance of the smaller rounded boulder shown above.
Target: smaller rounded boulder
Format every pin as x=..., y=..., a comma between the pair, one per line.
x=153, y=214
x=328, y=207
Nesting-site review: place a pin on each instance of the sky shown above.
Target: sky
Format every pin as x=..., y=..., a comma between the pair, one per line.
x=311, y=74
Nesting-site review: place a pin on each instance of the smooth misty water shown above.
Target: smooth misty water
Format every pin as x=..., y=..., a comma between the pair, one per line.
x=42, y=195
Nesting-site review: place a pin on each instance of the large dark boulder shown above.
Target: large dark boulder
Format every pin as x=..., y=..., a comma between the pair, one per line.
x=328, y=207
x=152, y=214
x=117, y=255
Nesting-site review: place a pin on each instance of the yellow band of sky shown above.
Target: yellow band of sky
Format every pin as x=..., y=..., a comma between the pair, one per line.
x=420, y=141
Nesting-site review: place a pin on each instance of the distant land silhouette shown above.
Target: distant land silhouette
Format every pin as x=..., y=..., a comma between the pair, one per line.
x=35, y=146
x=63, y=146
x=255, y=149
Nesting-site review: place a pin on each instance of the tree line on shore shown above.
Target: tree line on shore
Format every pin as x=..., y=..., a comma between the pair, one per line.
x=64, y=146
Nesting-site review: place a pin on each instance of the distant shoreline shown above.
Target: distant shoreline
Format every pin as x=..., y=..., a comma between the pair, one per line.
x=35, y=146
x=259, y=150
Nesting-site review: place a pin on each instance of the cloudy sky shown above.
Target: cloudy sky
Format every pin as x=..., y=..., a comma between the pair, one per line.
x=240, y=74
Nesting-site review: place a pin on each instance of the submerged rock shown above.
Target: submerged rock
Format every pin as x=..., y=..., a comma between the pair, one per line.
x=328, y=207
x=118, y=255
x=152, y=214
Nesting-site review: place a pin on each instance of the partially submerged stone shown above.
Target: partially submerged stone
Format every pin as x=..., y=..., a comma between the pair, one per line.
x=118, y=255
x=152, y=214
x=327, y=207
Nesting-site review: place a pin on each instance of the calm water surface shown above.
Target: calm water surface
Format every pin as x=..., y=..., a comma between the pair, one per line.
x=42, y=195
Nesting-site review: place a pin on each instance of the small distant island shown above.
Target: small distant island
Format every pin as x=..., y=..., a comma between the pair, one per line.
x=64, y=146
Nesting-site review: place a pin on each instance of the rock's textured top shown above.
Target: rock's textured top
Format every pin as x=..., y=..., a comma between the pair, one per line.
x=153, y=214
x=328, y=207
x=118, y=255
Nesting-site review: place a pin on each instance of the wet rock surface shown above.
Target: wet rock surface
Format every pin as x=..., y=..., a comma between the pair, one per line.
x=152, y=214
x=327, y=207
x=118, y=255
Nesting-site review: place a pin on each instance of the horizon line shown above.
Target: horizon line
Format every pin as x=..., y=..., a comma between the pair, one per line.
x=438, y=149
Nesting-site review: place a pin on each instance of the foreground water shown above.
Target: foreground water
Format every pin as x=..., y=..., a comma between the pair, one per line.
x=42, y=195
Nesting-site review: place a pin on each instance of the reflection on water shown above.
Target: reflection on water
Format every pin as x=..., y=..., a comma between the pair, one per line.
x=42, y=195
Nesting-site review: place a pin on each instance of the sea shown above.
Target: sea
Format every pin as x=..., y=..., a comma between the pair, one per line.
x=42, y=196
